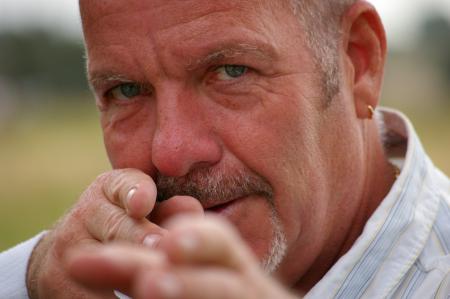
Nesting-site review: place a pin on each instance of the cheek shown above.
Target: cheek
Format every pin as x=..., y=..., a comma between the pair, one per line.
x=281, y=142
x=128, y=137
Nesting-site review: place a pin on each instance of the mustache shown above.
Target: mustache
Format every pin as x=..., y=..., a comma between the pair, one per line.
x=209, y=185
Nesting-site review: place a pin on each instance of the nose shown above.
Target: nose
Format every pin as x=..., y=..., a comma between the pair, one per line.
x=183, y=139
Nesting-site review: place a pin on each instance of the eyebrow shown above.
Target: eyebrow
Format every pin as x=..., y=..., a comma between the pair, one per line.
x=233, y=51
x=99, y=78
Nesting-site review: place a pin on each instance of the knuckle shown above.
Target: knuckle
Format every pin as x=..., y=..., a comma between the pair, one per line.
x=95, y=189
x=107, y=184
x=117, y=182
x=103, y=181
x=114, y=224
x=120, y=227
x=103, y=176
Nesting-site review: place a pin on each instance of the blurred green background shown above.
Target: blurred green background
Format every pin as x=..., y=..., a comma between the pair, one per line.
x=51, y=145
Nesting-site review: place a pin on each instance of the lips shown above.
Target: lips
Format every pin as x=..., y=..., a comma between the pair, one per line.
x=216, y=204
x=227, y=209
x=220, y=207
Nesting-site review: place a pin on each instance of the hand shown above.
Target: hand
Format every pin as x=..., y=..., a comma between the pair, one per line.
x=113, y=208
x=198, y=258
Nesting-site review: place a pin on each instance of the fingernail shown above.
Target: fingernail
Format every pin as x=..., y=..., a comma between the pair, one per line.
x=151, y=241
x=130, y=194
x=188, y=242
x=169, y=286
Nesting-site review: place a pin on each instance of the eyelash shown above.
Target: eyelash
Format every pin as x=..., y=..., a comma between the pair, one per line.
x=109, y=90
x=214, y=73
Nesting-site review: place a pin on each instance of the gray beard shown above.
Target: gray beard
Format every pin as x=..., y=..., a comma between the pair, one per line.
x=278, y=247
x=210, y=185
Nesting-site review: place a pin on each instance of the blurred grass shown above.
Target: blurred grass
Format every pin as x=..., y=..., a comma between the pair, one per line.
x=48, y=157
x=51, y=153
x=432, y=124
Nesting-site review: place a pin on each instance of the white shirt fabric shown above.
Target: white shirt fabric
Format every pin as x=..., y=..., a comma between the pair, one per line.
x=13, y=268
x=403, y=252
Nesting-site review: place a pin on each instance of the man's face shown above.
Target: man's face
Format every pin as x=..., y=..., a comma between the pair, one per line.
x=221, y=94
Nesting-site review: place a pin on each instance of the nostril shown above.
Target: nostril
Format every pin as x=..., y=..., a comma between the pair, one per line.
x=177, y=158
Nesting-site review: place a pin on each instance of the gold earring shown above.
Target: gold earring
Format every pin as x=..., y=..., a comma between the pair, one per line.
x=371, y=111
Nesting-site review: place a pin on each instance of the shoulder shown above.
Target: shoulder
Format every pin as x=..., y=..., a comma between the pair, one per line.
x=434, y=261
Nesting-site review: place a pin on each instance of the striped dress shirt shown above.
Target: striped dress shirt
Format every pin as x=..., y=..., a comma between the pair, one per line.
x=404, y=249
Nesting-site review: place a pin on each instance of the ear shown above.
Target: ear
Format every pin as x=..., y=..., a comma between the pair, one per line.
x=365, y=49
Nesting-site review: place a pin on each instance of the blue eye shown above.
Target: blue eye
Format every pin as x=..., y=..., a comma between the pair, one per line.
x=230, y=72
x=126, y=91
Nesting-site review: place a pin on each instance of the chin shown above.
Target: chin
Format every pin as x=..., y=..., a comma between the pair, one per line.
x=259, y=225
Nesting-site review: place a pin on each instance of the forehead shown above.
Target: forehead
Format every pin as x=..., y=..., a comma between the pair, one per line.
x=163, y=12
x=167, y=32
x=157, y=15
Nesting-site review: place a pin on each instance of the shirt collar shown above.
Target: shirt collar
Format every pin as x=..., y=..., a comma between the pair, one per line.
x=389, y=242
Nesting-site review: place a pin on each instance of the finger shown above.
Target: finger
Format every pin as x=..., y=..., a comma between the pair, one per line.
x=209, y=240
x=176, y=205
x=190, y=284
x=131, y=190
x=107, y=222
x=111, y=267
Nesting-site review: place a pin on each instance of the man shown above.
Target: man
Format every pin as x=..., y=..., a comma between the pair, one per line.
x=261, y=113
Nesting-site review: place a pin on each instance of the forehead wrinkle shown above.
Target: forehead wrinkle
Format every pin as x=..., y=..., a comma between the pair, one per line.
x=184, y=20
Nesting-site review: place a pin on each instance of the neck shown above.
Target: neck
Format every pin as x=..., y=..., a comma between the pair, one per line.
x=379, y=177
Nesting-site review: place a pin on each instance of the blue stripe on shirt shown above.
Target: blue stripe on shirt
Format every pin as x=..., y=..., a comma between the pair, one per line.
x=399, y=218
x=442, y=226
